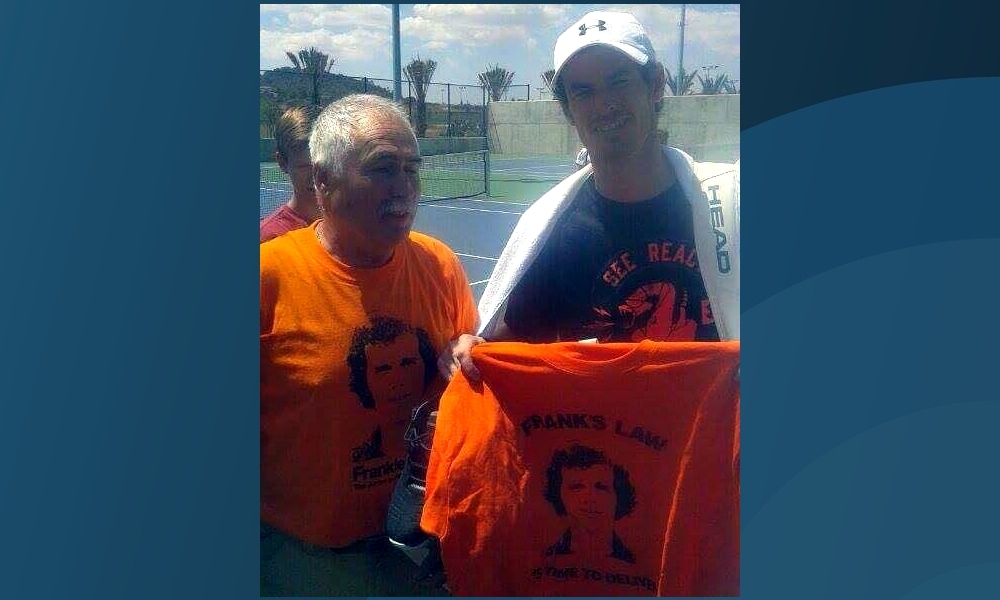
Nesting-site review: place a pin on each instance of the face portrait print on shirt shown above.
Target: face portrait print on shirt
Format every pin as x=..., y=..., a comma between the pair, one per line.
x=590, y=493
x=391, y=366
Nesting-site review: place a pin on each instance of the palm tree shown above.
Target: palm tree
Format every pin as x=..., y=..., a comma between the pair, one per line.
x=496, y=80
x=270, y=111
x=732, y=86
x=313, y=63
x=420, y=73
x=711, y=86
x=547, y=79
x=680, y=86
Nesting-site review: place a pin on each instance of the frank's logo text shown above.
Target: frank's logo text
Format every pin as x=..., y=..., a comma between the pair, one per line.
x=562, y=421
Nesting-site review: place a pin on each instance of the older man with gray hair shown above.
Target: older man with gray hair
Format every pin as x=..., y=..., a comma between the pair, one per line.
x=330, y=455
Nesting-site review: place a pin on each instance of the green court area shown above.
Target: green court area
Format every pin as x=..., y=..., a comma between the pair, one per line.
x=523, y=179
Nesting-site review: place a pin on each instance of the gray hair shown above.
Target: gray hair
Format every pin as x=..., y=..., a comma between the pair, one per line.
x=337, y=127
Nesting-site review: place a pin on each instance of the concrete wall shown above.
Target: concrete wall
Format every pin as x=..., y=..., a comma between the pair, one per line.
x=706, y=127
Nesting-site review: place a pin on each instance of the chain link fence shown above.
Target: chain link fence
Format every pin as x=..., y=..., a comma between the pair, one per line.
x=449, y=109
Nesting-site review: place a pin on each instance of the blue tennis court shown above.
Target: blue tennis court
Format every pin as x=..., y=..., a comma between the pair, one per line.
x=475, y=229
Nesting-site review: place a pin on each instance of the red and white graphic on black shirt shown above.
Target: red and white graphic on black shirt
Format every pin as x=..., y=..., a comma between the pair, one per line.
x=657, y=294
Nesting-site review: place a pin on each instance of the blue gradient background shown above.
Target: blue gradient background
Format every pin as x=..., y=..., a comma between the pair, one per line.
x=128, y=452
x=870, y=286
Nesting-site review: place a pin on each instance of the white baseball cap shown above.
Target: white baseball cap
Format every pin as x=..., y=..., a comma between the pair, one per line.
x=600, y=28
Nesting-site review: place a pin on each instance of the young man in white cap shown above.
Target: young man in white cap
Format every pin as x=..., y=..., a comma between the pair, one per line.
x=643, y=243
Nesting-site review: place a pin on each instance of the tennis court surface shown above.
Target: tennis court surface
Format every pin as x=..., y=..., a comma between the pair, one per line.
x=455, y=207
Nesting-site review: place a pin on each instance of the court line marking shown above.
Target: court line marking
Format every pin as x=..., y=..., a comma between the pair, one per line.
x=539, y=170
x=477, y=256
x=501, y=212
x=478, y=282
x=525, y=204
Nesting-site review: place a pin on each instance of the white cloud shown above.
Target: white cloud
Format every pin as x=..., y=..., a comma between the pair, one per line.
x=719, y=32
x=345, y=48
x=349, y=33
x=464, y=38
x=343, y=16
x=438, y=26
x=492, y=15
x=710, y=36
x=304, y=17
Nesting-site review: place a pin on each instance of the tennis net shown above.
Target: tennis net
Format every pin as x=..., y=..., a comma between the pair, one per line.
x=442, y=177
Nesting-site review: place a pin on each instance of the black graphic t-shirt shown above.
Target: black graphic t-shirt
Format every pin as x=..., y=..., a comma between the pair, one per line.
x=618, y=272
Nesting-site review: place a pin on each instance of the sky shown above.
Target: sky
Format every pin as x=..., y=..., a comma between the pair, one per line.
x=466, y=39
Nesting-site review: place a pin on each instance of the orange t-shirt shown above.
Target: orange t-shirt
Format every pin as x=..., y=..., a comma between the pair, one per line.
x=582, y=469
x=345, y=355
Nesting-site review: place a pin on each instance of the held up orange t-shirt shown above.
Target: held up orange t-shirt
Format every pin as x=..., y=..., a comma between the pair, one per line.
x=345, y=355
x=581, y=469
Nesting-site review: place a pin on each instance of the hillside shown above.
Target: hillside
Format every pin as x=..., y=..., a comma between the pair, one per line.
x=286, y=85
